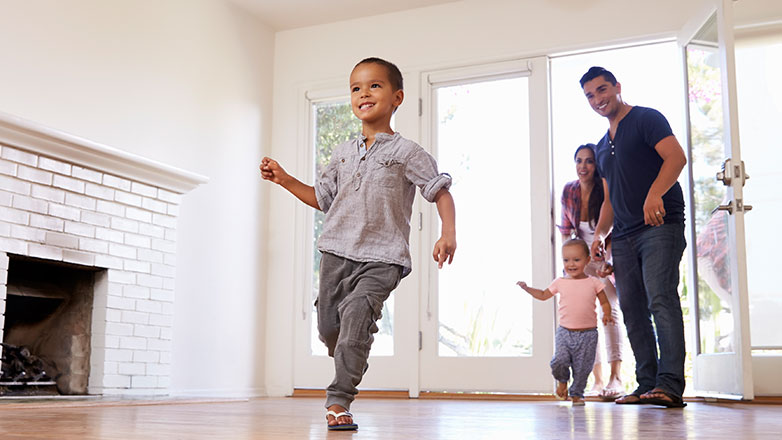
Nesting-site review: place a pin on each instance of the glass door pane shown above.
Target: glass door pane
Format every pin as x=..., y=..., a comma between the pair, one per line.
x=711, y=225
x=478, y=329
x=482, y=141
x=332, y=123
x=335, y=124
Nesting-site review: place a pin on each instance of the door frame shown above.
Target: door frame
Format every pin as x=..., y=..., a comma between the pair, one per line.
x=536, y=366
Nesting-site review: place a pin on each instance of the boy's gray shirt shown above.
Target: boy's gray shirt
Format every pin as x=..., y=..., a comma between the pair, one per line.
x=368, y=201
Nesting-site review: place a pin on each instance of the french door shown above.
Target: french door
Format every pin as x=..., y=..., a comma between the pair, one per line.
x=479, y=331
x=717, y=246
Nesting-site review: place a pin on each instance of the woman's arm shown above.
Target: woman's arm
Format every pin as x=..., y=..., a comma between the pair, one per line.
x=601, y=296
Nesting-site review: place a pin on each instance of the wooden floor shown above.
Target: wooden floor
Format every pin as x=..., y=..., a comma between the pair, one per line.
x=301, y=418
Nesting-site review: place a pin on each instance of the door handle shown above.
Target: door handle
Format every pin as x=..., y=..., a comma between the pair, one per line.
x=730, y=171
x=728, y=207
x=740, y=206
x=725, y=175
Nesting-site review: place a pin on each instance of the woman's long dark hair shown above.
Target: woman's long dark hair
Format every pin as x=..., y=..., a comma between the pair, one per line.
x=596, y=196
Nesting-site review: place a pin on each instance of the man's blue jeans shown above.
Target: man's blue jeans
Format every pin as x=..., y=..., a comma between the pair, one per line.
x=646, y=265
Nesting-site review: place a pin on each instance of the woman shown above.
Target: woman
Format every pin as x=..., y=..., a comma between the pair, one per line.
x=581, y=202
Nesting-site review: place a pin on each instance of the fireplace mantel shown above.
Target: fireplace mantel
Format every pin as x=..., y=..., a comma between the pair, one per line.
x=34, y=137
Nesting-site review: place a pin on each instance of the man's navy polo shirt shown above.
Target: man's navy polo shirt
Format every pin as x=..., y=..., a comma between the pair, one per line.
x=630, y=165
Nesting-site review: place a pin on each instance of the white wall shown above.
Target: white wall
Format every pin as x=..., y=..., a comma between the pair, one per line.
x=186, y=83
x=440, y=36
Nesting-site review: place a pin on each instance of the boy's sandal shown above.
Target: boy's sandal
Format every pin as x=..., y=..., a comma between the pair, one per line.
x=662, y=398
x=342, y=427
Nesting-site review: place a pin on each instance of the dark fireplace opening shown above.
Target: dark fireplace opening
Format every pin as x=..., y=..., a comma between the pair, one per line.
x=47, y=331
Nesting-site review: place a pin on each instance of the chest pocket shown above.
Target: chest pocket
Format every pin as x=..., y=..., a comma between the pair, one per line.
x=343, y=171
x=387, y=171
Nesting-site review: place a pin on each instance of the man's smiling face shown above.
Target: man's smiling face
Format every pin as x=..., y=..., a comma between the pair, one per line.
x=603, y=96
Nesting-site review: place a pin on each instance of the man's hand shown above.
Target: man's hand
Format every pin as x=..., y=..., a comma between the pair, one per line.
x=654, y=210
x=444, y=250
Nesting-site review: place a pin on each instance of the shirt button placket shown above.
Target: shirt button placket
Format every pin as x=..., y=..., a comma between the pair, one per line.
x=358, y=175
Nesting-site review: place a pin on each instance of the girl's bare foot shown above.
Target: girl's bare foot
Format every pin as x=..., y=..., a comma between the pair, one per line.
x=561, y=390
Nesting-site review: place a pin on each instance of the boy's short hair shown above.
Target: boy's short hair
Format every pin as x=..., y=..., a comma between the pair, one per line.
x=577, y=242
x=394, y=75
x=596, y=71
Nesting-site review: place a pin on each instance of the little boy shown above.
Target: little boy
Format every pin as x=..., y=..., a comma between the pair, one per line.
x=367, y=193
x=576, y=337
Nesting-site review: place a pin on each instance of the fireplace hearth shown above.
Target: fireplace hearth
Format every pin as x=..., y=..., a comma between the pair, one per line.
x=48, y=319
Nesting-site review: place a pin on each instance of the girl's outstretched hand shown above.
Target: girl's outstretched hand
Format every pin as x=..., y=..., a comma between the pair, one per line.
x=521, y=284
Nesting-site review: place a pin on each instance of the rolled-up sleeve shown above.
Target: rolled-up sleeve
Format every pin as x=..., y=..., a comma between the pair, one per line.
x=565, y=227
x=421, y=169
x=570, y=206
x=326, y=186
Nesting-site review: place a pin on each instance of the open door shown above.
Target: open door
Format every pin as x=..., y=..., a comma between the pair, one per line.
x=716, y=242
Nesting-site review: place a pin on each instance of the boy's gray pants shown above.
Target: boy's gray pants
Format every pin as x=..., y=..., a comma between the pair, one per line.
x=349, y=302
x=576, y=350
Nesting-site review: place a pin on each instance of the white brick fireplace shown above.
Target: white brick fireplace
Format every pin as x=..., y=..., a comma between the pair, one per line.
x=66, y=199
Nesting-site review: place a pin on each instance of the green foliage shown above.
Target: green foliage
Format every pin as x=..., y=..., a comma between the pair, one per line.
x=334, y=124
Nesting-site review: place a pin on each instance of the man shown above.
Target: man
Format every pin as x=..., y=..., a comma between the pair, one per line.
x=640, y=161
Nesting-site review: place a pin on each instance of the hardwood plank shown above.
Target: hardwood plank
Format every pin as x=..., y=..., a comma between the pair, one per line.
x=283, y=418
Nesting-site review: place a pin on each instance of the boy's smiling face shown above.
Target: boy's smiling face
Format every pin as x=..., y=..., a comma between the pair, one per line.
x=372, y=95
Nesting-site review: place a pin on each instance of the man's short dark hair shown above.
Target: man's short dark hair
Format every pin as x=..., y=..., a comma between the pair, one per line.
x=596, y=71
x=394, y=75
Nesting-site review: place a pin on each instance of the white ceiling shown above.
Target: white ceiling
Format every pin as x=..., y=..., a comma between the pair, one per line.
x=289, y=14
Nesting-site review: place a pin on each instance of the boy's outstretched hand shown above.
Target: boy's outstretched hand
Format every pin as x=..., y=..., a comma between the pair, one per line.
x=272, y=171
x=444, y=250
